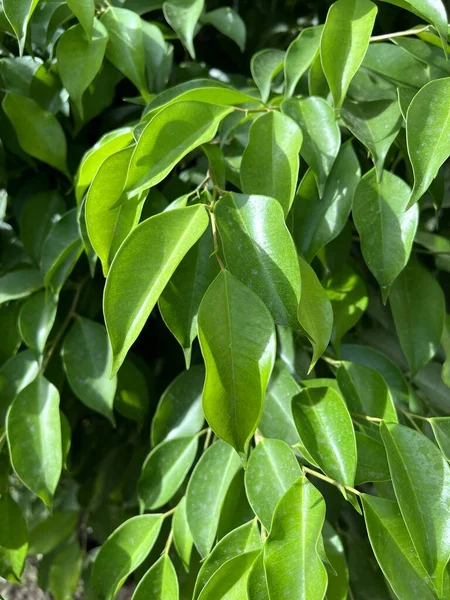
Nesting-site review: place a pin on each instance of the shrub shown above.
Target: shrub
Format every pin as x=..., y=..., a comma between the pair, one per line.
x=276, y=428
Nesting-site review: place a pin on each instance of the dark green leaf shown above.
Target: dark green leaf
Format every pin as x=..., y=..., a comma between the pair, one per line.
x=65, y=571
x=182, y=16
x=132, y=397
x=36, y=320
x=227, y=21
x=15, y=374
x=13, y=539
x=18, y=13
x=182, y=536
x=372, y=461
x=51, y=532
x=19, y=283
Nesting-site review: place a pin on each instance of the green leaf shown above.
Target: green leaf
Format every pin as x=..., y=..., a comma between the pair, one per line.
x=321, y=134
x=38, y=215
x=11, y=339
x=38, y=131
x=293, y=567
x=65, y=571
x=182, y=536
x=257, y=582
x=365, y=391
x=87, y=361
x=265, y=65
x=299, y=56
x=19, y=283
x=315, y=312
x=180, y=300
x=159, y=583
x=84, y=10
x=170, y=135
x=259, y=251
x=372, y=461
x=36, y=320
x=394, y=550
x=179, y=412
x=125, y=549
x=272, y=469
x=441, y=430
x=338, y=583
x=15, y=374
x=51, y=532
x=243, y=539
x=182, y=16
x=270, y=161
x=132, y=398
x=18, y=13
x=206, y=492
x=385, y=227
x=349, y=299
x=158, y=56
x=319, y=220
x=80, y=59
x=428, y=133
x=164, y=470
x=165, y=239
x=239, y=352
x=414, y=458
x=432, y=11
x=125, y=47
x=445, y=341
x=230, y=580
x=13, y=539
x=419, y=328
x=33, y=430
x=376, y=125
x=326, y=432
x=344, y=42
x=107, y=145
x=227, y=21
x=110, y=216
x=395, y=65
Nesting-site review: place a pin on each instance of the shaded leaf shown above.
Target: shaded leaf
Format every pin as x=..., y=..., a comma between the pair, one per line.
x=227, y=21
x=19, y=283
x=15, y=374
x=13, y=539
x=372, y=461
x=182, y=536
x=36, y=320
x=265, y=65
x=84, y=10
x=182, y=16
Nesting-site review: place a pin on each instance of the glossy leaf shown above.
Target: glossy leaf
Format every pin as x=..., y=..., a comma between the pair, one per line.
x=87, y=361
x=259, y=251
x=165, y=238
x=299, y=56
x=33, y=430
x=428, y=133
x=413, y=457
x=270, y=161
x=18, y=13
x=20, y=283
x=227, y=21
x=65, y=571
x=395, y=65
x=372, y=461
x=337, y=588
x=239, y=353
x=265, y=65
x=159, y=583
x=182, y=16
x=272, y=469
x=84, y=10
x=206, y=492
x=182, y=536
x=441, y=430
x=293, y=567
x=15, y=374
x=125, y=549
x=344, y=42
x=419, y=328
x=36, y=320
x=326, y=432
x=13, y=539
x=38, y=215
x=230, y=580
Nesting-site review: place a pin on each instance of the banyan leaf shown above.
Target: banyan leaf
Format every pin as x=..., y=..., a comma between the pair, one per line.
x=182, y=16
x=18, y=13
x=13, y=539
x=182, y=536
x=231, y=578
x=299, y=56
x=160, y=582
x=36, y=320
x=84, y=10
x=265, y=65
x=229, y=22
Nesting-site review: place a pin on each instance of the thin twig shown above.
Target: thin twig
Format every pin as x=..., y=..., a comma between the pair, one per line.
x=366, y=417
x=388, y=36
x=329, y=480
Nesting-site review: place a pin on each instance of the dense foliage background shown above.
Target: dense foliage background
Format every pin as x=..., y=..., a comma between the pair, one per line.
x=280, y=189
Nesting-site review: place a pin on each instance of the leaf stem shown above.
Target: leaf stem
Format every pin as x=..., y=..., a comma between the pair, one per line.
x=169, y=513
x=367, y=418
x=168, y=543
x=207, y=439
x=329, y=480
x=388, y=36
x=215, y=239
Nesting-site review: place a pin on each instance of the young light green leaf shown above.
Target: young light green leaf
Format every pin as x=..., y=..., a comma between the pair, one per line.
x=245, y=538
x=385, y=227
x=321, y=134
x=13, y=539
x=11, y=339
x=239, y=352
x=180, y=300
x=326, y=432
x=19, y=283
x=170, y=135
x=315, y=312
x=39, y=132
x=84, y=10
x=36, y=320
x=272, y=469
x=159, y=583
x=15, y=374
x=414, y=458
x=125, y=549
x=419, y=328
x=365, y=391
x=299, y=56
x=230, y=580
x=265, y=65
x=33, y=429
x=206, y=492
x=179, y=412
x=319, y=220
x=164, y=470
x=270, y=161
x=344, y=42
x=125, y=47
x=182, y=536
x=18, y=13
x=182, y=16
x=259, y=251
x=293, y=567
x=394, y=550
x=129, y=297
x=349, y=299
x=80, y=59
x=428, y=133
x=87, y=361
x=227, y=21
